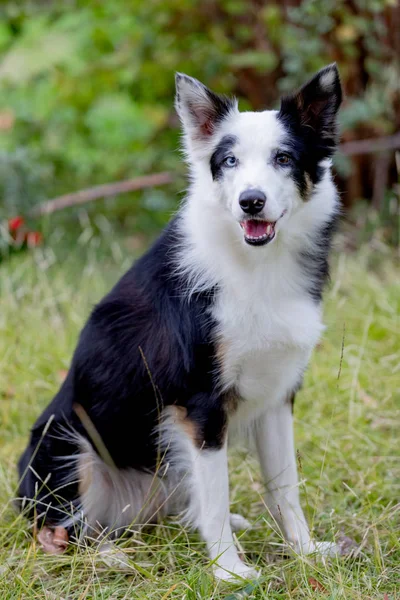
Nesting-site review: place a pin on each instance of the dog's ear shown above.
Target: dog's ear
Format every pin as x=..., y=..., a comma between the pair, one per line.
x=199, y=109
x=314, y=107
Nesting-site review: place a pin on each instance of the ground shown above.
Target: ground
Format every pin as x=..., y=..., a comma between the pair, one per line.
x=347, y=423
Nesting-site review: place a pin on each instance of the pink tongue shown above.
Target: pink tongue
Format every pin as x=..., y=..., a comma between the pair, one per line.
x=255, y=228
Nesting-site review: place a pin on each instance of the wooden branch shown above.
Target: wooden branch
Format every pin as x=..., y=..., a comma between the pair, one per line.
x=101, y=191
x=381, y=176
x=389, y=142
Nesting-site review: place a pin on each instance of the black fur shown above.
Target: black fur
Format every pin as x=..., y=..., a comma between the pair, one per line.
x=220, y=153
x=144, y=346
x=316, y=264
x=309, y=116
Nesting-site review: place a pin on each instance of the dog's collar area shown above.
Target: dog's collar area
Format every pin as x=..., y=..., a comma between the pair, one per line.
x=258, y=232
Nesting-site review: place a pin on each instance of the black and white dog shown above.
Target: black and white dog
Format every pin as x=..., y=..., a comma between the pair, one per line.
x=205, y=337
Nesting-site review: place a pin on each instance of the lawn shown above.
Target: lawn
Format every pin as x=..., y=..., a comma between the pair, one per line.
x=347, y=424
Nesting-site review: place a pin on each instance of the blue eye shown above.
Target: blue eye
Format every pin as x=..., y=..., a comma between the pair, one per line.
x=283, y=159
x=230, y=161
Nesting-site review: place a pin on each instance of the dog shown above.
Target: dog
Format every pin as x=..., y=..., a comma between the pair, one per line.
x=205, y=338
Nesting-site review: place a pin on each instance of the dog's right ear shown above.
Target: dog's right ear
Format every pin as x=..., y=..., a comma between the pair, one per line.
x=200, y=109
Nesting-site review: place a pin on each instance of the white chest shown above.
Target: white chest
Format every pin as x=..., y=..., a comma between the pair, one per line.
x=266, y=338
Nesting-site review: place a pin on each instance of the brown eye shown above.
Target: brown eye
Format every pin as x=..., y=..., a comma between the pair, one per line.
x=283, y=159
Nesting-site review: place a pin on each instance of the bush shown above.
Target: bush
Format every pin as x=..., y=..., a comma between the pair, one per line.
x=87, y=87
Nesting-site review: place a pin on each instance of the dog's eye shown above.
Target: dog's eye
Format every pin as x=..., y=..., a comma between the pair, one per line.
x=283, y=159
x=230, y=161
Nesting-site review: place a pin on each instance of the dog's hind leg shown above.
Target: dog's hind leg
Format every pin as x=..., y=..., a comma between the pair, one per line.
x=114, y=499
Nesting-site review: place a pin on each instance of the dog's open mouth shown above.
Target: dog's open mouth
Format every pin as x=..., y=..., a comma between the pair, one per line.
x=257, y=232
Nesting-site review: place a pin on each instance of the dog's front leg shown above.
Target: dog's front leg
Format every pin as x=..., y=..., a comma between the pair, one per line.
x=275, y=445
x=195, y=441
x=211, y=491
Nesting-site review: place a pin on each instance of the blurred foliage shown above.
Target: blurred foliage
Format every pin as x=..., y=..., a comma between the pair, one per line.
x=86, y=87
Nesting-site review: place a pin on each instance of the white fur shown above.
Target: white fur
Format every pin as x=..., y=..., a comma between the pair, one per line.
x=118, y=498
x=327, y=80
x=202, y=491
x=275, y=445
x=267, y=322
x=111, y=499
x=210, y=478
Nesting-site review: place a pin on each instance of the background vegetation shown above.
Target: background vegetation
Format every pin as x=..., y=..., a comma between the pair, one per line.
x=86, y=88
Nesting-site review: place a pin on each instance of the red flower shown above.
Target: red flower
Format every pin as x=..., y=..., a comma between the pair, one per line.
x=33, y=239
x=15, y=223
x=20, y=236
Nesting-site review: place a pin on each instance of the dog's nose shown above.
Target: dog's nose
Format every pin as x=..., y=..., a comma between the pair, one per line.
x=252, y=201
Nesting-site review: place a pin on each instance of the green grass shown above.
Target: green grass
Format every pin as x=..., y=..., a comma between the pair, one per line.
x=347, y=424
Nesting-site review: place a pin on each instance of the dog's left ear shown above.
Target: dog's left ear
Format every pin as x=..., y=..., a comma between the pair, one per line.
x=314, y=107
x=199, y=109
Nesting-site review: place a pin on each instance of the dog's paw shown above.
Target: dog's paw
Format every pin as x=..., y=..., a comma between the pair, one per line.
x=239, y=523
x=53, y=540
x=326, y=549
x=113, y=557
x=235, y=572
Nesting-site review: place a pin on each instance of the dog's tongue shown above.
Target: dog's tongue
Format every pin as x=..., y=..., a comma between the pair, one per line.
x=255, y=228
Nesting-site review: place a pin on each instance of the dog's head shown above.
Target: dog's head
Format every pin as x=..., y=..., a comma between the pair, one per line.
x=263, y=166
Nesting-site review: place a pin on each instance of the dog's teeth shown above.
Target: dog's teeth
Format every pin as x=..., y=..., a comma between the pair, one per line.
x=267, y=236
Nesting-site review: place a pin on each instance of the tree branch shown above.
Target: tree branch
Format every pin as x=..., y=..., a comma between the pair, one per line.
x=389, y=142
x=101, y=191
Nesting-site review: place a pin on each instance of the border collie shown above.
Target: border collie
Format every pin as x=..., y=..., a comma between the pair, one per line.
x=205, y=338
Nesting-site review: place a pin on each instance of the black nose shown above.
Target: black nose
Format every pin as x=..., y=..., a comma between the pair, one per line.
x=252, y=201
